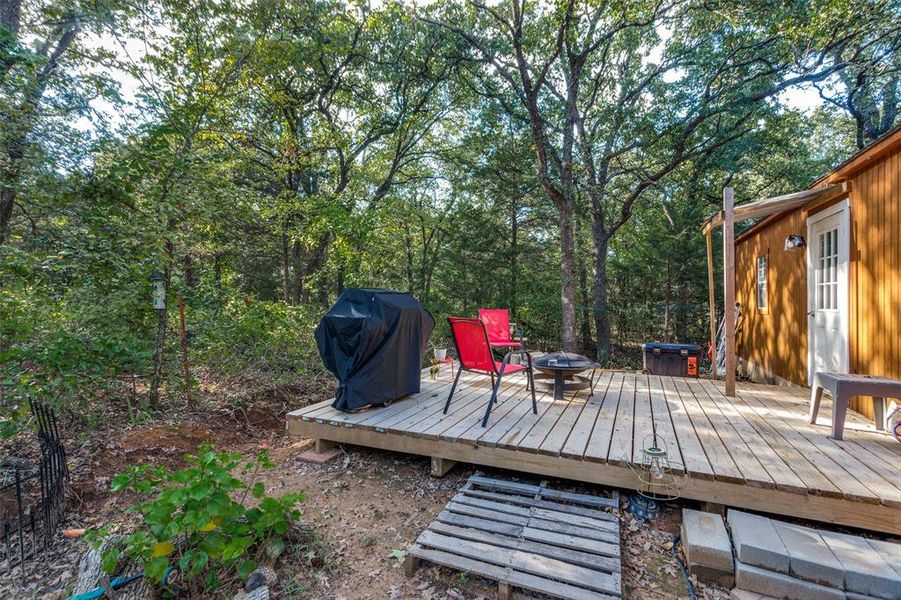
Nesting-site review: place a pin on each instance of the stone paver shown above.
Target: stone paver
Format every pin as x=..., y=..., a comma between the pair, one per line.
x=756, y=542
x=740, y=594
x=706, y=541
x=319, y=458
x=780, y=585
x=890, y=551
x=809, y=556
x=866, y=570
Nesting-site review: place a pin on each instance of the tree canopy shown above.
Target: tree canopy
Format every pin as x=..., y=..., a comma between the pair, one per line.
x=555, y=158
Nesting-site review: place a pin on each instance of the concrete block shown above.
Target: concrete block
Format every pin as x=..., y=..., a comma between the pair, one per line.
x=890, y=551
x=867, y=572
x=319, y=457
x=706, y=541
x=740, y=594
x=780, y=585
x=757, y=543
x=809, y=556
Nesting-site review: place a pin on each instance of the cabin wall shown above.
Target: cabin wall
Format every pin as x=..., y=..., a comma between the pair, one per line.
x=876, y=271
x=775, y=341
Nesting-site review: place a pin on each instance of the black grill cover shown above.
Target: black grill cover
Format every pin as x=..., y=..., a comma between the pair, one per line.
x=373, y=342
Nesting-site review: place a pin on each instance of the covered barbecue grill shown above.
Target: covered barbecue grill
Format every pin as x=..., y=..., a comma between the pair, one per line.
x=372, y=341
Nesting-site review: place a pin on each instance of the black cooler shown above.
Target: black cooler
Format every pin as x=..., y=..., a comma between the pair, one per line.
x=679, y=360
x=373, y=342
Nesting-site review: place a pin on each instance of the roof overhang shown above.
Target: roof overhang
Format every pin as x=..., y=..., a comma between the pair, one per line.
x=887, y=144
x=777, y=204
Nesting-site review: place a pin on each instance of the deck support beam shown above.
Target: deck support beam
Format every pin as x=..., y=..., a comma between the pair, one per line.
x=411, y=563
x=729, y=287
x=322, y=446
x=504, y=590
x=440, y=466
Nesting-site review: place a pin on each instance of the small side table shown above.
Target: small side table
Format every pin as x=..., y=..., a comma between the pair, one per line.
x=843, y=387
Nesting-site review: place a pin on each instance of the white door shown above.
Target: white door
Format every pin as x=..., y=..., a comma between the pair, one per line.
x=827, y=282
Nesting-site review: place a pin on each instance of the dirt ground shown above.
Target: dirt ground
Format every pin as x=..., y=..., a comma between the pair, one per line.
x=367, y=506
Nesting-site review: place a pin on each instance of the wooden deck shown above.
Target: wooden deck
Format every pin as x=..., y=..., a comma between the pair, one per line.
x=755, y=451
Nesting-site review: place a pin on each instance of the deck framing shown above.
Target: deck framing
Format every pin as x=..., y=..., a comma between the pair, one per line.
x=755, y=451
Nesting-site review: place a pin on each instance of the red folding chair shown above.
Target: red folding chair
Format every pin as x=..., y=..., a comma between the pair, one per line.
x=474, y=354
x=497, y=324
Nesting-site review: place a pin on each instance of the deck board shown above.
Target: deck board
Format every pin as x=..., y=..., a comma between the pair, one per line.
x=755, y=451
x=599, y=443
x=643, y=424
x=747, y=461
x=724, y=467
x=694, y=457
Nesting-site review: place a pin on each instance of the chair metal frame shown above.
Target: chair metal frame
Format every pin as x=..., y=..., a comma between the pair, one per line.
x=495, y=382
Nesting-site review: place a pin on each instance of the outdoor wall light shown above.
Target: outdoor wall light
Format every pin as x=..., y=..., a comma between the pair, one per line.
x=793, y=242
x=159, y=290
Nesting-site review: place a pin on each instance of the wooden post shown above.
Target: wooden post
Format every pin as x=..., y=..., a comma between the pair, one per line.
x=440, y=466
x=183, y=334
x=411, y=563
x=711, y=291
x=322, y=446
x=729, y=287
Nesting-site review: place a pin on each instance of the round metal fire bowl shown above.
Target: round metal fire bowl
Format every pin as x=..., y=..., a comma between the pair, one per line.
x=545, y=380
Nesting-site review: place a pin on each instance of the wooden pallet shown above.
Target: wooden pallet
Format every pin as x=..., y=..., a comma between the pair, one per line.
x=527, y=536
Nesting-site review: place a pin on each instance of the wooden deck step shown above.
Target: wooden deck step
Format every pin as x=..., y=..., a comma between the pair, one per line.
x=508, y=531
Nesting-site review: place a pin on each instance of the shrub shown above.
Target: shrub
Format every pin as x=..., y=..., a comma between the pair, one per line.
x=196, y=520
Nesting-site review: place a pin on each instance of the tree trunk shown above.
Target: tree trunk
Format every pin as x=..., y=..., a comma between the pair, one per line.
x=188, y=266
x=18, y=127
x=162, y=321
x=408, y=245
x=514, y=256
x=567, y=278
x=286, y=270
x=14, y=151
x=297, y=288
x=10, y=15
x=601, y=318
x=7, y=200
x=667, y=316
x=585, y=341
x=322, y=292
x=157, y=377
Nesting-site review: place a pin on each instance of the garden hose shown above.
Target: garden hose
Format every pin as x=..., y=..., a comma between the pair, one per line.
x=691, y=587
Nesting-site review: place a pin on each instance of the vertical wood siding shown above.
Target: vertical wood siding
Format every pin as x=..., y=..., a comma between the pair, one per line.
x=776, y=339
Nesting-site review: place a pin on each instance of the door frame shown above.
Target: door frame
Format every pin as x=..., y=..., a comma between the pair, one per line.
x=843, y=209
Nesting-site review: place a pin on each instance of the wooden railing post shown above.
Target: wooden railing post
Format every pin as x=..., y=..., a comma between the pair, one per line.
x=729, y=287
x=712, y=299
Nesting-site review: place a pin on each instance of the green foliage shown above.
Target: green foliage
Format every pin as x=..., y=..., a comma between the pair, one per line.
x=274, y=153
x=253, y=337
x=196, y=520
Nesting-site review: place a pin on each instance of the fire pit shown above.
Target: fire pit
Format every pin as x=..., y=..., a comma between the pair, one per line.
x=559, y=371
